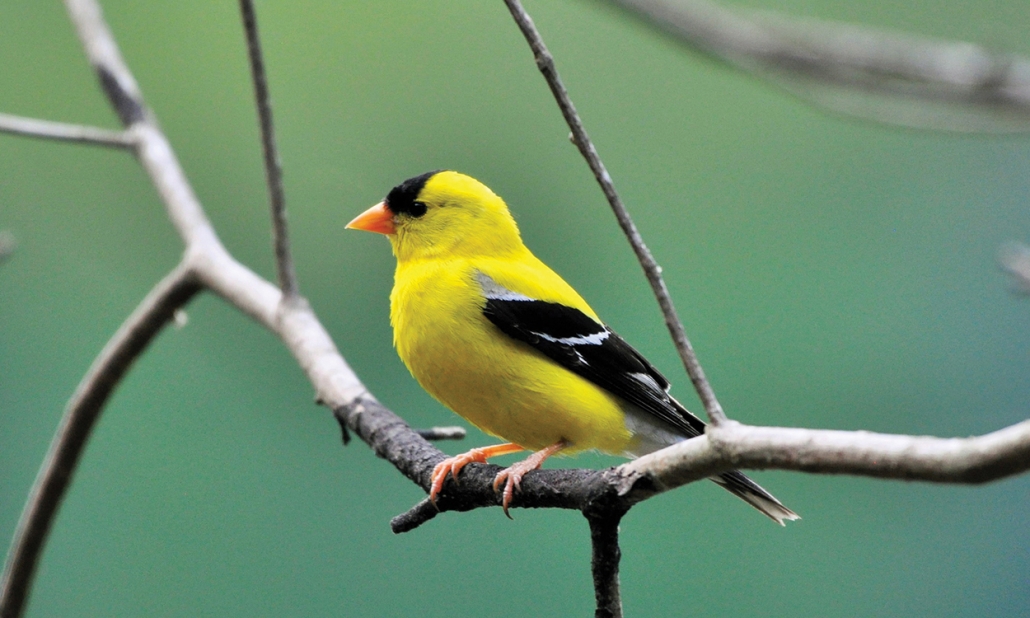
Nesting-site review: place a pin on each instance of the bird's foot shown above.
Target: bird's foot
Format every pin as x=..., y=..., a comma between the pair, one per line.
x=453, y=465
x=511, y=476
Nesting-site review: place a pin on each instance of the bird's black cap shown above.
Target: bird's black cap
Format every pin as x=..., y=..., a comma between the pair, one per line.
x=401, y=198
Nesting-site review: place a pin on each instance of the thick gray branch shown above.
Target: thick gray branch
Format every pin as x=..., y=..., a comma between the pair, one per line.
x=604, y=564
x=81, y=415
x=653, y=272
x=63, y=132
x=874, y=74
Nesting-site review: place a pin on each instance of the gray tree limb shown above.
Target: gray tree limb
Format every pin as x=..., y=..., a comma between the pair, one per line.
x=80, y=416
x=879, y=75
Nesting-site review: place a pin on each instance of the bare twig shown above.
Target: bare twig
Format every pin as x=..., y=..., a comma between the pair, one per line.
x=273, y=169
x=81, y=415
x=861, y=71
x=63, y=132
x=545, y=62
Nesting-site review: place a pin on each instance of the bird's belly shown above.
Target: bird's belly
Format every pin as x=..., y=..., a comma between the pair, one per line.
x=509, y=390
x=534, y=406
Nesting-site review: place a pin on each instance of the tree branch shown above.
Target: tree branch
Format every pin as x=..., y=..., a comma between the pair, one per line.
x=81, y=415
x=273, y=169
x=860, y=71
x=63, y=132
x=545, y=62
x=600, y=495
x=604, y=563
x=974, y=460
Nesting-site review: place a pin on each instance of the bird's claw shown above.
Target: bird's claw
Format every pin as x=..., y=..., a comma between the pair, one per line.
x=512, y=479
x=451, y=467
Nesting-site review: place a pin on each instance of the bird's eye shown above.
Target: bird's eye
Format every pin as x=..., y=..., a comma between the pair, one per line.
x=418, y=209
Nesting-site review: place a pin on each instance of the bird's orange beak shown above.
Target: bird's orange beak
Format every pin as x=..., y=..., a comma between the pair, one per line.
x=377, y=219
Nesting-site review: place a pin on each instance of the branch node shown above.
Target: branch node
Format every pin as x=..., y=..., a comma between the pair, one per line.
x=129, y=109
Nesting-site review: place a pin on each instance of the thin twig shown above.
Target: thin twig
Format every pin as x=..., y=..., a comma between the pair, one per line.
x=81, y=415
x=545, y=62
x=63, y=132
x=273, y=168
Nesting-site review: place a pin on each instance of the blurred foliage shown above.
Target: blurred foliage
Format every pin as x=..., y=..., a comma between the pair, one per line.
x=831, y=273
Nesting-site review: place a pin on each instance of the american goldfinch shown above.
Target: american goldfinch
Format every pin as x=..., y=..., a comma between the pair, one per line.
x=495, y=335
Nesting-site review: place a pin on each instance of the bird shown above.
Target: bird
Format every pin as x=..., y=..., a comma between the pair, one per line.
x=498, y=337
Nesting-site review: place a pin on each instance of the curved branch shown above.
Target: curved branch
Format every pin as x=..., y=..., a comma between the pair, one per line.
x=545, y=62
x=81, y=415
x=860, y=71
x=63, y=132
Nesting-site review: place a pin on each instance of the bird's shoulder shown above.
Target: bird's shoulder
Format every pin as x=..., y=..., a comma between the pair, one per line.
x=531, y=278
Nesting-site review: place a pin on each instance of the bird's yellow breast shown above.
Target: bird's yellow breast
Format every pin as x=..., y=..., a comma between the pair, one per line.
x=502, y=386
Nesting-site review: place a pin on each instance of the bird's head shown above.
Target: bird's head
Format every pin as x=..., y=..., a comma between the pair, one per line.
x=442, y=213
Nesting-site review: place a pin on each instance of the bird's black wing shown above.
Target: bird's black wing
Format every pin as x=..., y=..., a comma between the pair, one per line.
x=588, y=348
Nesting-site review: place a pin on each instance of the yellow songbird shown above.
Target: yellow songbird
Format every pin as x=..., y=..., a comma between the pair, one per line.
x=495, y=335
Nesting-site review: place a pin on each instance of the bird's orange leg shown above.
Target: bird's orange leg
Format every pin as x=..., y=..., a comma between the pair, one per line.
x=453, y=465
x=512, y=476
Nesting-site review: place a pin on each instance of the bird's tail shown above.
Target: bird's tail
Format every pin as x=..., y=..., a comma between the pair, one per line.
x=752, y=493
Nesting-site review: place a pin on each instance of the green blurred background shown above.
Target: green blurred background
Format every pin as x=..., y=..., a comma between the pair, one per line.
x=832, y=274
